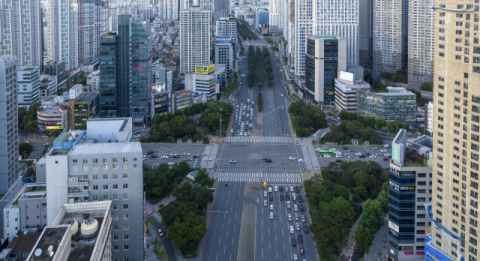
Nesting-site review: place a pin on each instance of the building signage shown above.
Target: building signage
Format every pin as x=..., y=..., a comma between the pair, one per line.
x=347, y=76
x=396, y=152
x=407, y=173
x=224, y=41
x=393, y=226
x=53, y=127
x=204, y=69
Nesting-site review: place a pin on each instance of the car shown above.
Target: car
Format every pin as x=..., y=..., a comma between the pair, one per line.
x=233, y=161
x=297, y=226
x=275, y=188
x=296, y=189
x=282, y=198
x=164, y=157
x=292, y=230
x=265, y=202
x=264, y=158
x=291, y=158
x=270, y=189
x=302, y=250
x=287, y=197
x=188, y=159
x=271, y=206
x=295, y=258
x=294, y=242
x=300, y=208
x=301, y=160
x=385, y=158
x=289, y=206
x=295, y=207
x=186, y=153
x=291, y=189
x=339, y=160
x=265, y=193
x=345, y=148
x=268, y=160
x=175, y=156
x=296, y=216
x=153, y=156
x=271, y=215
x=289, y=217
x=280, y=188
x=303, y=219
x=208, y=159
x=300, y=239
x=160, y=232
x=195, y=156
x=171, y=163
x=148, y=153
x=299, y=199
x=270, y=196
x=294, y=197
x=305, y=229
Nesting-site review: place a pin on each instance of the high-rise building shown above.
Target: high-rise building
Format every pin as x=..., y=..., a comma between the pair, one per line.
x=20, y=31
x=325, y=17
x=195, y=38
x=8, y=123
x=387, y=36
x=276, y=14
x=125, y=70
x=227, y=27
x=325, y=57
x=92, y=24
x=224, y=53
x=454, y=208
x=97, y=171
x=261, y=17
x=112, y=18
x=365, y=32
x=168, y=9
x=221, y=8
x=420, y=42
x=28, y=79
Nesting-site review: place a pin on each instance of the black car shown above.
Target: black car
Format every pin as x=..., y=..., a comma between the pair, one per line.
x=280, y=188
x=153, y=156
x=299, y=199
x=175, y=156
x=305, y=229
x=367, y=154
x=339, y=161
x=270, y=196
x=268, y=160
x=345, y=148
x=294, y=242
x=195, y=156
x=296, y=190
x=287, y=196
x=150, y=152
x=363, y=156
x=282, y=198
x=264, y=158
x=300, y=239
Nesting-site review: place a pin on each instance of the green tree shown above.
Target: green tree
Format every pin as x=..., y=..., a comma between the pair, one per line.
x=341, y=191
x=404, y=126
x=361, y=178
x=370, y=121
x=351, y=128
x=83, y=126
x=392, y=126
x=203, y=179
x=361, y=191
x=24, y=149
x=352, y=116
x=364, y=237
x=361, y=119
x=156, y=119
x=32, y=126
x=21, y=114
x=202, y=196
x=343, y=115
x=380, y=123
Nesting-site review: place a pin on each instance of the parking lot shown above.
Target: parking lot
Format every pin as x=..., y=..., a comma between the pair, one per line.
x=379, y=154
x=242, y=125
x=167, y=151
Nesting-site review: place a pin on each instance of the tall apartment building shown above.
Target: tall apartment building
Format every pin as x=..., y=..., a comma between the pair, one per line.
x=8, y=123
x=410, y=189
x=20, y=31
x=221, y=8
x=28, y=79
x=168, y=9
x=365, y=32
x=224, y=53
x=420, y=42
x=325, y=57
x=227, y=27
x=325, y=17
x=81, y=170
x=112, y=18
x=125, y=70
x=276, y=15
x=387, y=36
x=92, y=24
x=454, y=209
x=195, y=38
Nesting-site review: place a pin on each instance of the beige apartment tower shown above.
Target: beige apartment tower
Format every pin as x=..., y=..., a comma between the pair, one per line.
x=456, y=129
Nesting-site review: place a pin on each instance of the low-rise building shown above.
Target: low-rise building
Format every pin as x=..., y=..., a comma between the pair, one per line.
x=203, y=80
x=161, y=99
x=93, y=80
x=52, y=118
x=82, y=108
x=110, y=129
x=48, y=85
x=346, y=89
x=182, y=99
x=398, y=104
x=28, y=79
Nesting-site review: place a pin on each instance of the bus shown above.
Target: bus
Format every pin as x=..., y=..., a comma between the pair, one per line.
x=323, y=152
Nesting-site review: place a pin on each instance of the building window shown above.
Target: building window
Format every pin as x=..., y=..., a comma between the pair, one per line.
x=105, y=176
x=126, y=227
x=115, y=196
x=105, y=197
x=125, y=186
x=95, y=198
x=75, y=164
x=125, y=175
x=115, y=247
x=115, y=237
x=115, y=186
x=95, y=177
x=114, y=176
x=125, y=196
x=125, y=206
x=125, y=217
x=125, y=237
x=125, y=247
x=115, y=207
x=95, y=187
x=105, y=187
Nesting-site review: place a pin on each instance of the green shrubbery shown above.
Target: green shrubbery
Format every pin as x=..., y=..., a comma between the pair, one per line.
x=243, y=28
x=307, y=118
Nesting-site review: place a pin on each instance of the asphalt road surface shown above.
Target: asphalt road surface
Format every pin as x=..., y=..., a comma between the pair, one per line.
x=158, y=148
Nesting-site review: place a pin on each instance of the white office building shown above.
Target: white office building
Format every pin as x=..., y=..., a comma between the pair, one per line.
x=28, y=79
x=20, y=31
x=227, y=27
x=325, y=17
x=276, y=15
x=195, y=36
x=224, y=53
x=420, y=42
x=8, y=123
x=387, y=36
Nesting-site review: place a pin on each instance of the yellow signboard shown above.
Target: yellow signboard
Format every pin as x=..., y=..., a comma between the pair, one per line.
x=54, y=127
x=204, y=69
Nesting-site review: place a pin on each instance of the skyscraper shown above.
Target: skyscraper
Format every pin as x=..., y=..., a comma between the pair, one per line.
x=456, y=80
x=8, y=123
x=325, y=17
x=92, y=24
x=195, y=35
x=387, y=36
x=125, y=70
x=20, y=31
x=168, y=9
x=420, y=42
x=365, y=32
x=276, y=13
x=221, y=8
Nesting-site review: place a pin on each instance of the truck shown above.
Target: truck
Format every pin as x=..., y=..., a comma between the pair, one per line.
x=248, y=101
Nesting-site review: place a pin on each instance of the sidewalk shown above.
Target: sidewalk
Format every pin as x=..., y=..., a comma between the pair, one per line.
x=347, y=250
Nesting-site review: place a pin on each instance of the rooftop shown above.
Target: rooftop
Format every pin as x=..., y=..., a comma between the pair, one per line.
x=331, y=37
x=29, y=69
x=51, y=237
x=24, y=243
x=87, y=97
x=105, y=148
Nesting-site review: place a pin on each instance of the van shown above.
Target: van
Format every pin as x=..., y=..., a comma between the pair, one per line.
x=265, y=184
x=294, y=197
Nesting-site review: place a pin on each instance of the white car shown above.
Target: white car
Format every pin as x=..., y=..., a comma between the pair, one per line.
x=187, y=154
x=265, y=203
x=298, y=226
x=295, y=207
x=327, y=156
x=233, y=161
x=270, y=189
x=301, y=160
x=160, y=232
x=164, y=157
x=275, y=188
x=264, y=193
x=291, y=189
x=208, y=159
x=271, y=215
x=271, y=206
x=144, y=156
x=171, y=163
x=288, y=205
x=292, y=231
x=289, y=217
x=291, y=158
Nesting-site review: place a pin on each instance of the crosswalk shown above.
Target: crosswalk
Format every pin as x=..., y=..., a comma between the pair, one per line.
x=260, y=177
x=253, y=139
x=150, y=210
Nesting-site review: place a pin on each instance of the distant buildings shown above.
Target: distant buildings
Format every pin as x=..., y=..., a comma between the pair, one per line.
x=325, y=56
x=221, y=8
x=168, y=9
x=93, y=80
x=195, y=38
x=398, y=104
x=8, y=123
x=161, y=99
x=224, y=53
x=227, y=27
x=276, y=15
x=261, y=17
x=28, y=79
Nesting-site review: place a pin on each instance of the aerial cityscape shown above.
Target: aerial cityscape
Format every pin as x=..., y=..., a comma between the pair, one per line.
x=227, y=130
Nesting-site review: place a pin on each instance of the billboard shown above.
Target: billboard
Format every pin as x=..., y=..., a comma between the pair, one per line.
x=224, y=41
x=204, y=69
x=347, y=76
x=398, y=146
x=53, y=127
